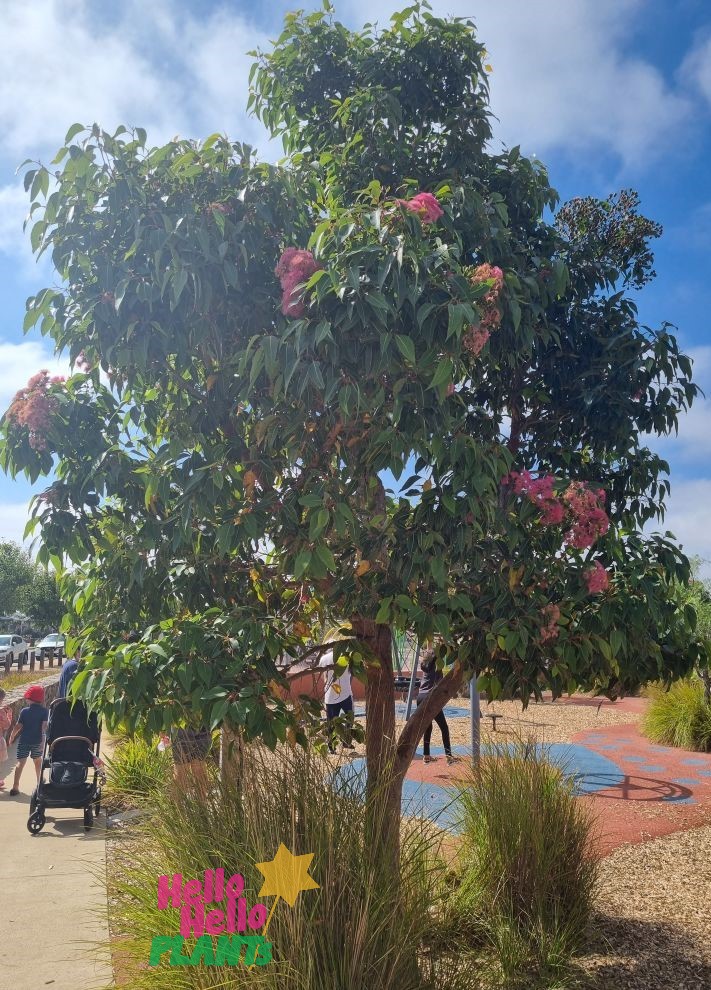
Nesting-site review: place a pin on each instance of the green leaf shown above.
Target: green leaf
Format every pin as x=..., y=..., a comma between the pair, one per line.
x=406, y=348
x=383, y=614
x=443, y=373
x=72, y=132
x=180, y=280
x=326, y=557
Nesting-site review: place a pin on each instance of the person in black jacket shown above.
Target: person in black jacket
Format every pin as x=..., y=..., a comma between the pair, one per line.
x=430, y=678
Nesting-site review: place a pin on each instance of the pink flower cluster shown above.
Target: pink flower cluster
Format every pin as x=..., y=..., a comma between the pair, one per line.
x=596, y=578
x=475, y=337
x=83, y=363
x=551, y=614
x=425, y=205
x=541, y=492
x=34, y=406
x=590, y=520
x=474, y=340
x=295, y=267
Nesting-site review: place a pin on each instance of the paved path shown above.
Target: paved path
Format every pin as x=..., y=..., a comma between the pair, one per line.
x=54, y=929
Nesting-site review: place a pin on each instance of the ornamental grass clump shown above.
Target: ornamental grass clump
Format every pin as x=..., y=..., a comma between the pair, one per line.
x=358, y=931
x=680, y=716
x=136, y=770
x=526, y=878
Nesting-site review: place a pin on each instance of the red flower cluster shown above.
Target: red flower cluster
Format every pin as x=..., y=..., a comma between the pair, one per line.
x=475, y=337
x=295, y=267
x=425, y=205
x=590, y=520
x=34, y=406
x=596, y=578
x=551, y=614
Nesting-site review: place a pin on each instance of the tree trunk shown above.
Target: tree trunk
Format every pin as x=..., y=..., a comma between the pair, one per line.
x=384, y=786
x=387, y=757
x=231, y=758
x=705, y=676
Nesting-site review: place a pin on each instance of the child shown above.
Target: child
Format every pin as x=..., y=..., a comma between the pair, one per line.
x=432, y=677
x=30, y=727
x=5, y=723
x=338, y=697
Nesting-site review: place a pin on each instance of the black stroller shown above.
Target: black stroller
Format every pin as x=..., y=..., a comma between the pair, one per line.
x=71, y=754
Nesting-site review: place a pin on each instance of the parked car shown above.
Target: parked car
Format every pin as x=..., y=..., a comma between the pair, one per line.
x=13, y=646
x=50, y=645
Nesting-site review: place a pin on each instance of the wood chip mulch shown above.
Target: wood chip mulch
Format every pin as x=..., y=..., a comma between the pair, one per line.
x=653, y=928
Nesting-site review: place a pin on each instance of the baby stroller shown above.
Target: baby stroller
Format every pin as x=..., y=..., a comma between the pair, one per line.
x=71, y=754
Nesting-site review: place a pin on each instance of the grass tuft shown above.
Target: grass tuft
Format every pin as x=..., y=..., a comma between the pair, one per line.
x=137, y=770
x=679, y=717
x=526, y=877
x=358, y=931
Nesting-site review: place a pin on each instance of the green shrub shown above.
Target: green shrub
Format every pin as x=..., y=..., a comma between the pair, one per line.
x=356, y=932
x=136, y=770
x=526, y=877
x=679, y=717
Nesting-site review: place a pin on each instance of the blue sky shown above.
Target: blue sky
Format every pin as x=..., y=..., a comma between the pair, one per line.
x=609, y=93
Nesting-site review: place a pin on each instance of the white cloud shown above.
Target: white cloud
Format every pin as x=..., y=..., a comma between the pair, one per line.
x=157, y=66
x=692, y=446
x=563, y=76
x=689, y=518
x=13, y=519
x=696, y=69
x=13, y=208
x=20, y=361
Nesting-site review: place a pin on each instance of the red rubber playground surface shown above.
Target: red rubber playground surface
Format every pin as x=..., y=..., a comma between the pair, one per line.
x=638, y=791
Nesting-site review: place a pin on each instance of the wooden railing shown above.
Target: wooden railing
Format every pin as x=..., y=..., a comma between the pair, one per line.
x=38, y=660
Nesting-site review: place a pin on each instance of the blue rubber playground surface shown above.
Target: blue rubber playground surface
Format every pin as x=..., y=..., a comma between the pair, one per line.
x=588, y=770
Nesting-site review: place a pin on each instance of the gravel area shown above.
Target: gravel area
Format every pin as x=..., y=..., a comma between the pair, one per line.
x=653, y=928
x=545, y=722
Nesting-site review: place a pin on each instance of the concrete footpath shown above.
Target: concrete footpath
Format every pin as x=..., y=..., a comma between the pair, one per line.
x=54, y=925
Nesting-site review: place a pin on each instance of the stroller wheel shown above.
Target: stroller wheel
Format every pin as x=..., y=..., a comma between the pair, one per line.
x=36, y=822
x=88, y=818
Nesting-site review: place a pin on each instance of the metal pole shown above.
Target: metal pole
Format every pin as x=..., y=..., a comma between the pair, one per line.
x=475, y=717
x=411, y=689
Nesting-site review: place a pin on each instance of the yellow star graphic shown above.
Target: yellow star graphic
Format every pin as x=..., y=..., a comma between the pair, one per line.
x=286, y=875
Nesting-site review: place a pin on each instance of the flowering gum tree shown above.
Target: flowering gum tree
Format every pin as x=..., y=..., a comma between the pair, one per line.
x=373, y=386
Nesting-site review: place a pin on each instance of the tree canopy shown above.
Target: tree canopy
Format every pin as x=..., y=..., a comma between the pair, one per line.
x=385, y=383
x=28, y=588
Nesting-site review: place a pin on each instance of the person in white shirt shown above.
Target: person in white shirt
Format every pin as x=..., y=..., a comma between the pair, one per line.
x=338, y=696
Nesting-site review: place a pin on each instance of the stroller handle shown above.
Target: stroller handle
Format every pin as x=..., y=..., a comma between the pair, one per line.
x=76, y=738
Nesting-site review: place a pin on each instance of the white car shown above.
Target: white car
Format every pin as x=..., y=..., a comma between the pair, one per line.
x=14, y=647
x=52, y=644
